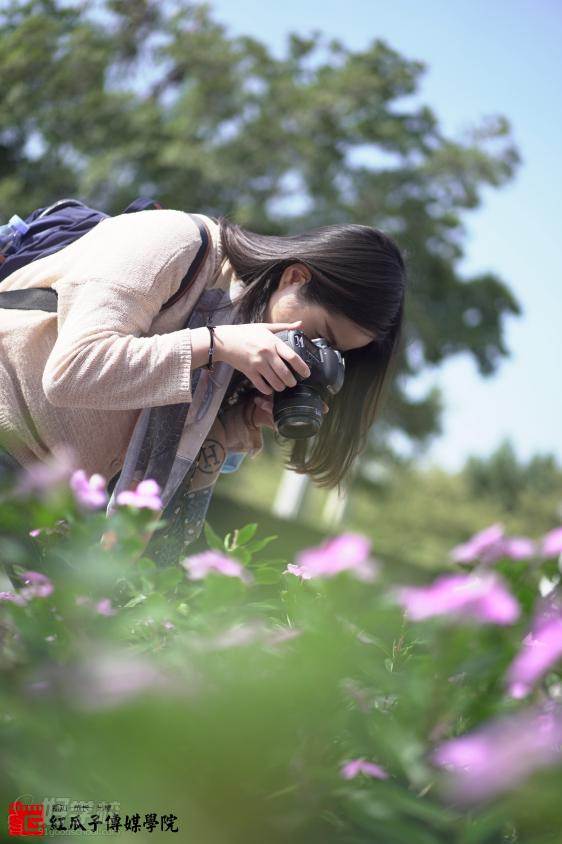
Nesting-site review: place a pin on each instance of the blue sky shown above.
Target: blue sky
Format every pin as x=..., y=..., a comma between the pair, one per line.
x=483, y=58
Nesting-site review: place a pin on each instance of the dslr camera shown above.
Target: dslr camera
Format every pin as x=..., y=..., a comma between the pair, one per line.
x=297, y=411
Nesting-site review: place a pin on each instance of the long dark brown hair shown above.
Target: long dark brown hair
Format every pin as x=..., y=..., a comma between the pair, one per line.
x=357, y=271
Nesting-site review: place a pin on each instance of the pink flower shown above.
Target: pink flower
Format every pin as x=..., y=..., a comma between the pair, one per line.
x=519, y=547
x=13, y=598
x=348, y=552
x=37, y=585
x=542, y=648
x=82, y=599
x=104, y=607
x=552, y=543
x=501, y=754
x=147, y=494
x=481, y=596
x=198, y=566
x=91, y=493
x=360, y=766
x=35, y=532
x=486, y=546
x=491, y=544
x=41, y=476
x=104, y=680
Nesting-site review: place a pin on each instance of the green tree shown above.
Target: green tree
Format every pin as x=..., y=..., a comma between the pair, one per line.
x=503, y=477
x=108, y=100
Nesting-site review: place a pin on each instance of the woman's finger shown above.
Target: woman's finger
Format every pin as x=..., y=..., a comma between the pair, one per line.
x=286, y=353
x=282, y=326
x=282, y=370
x=260, y=383
x=269, y=374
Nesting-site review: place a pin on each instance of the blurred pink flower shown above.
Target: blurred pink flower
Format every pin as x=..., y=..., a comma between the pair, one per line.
x=40, y=477
x=37, y=585
x=552, y=543
x=103, y=680
x=13, y=597
x=541, y=648
x=486, y=546
x=360, y=766
x=478, y=595
x=104, y=607
x=198, y=566
x=519, y=547
x=91, y=493
x=35, y=532
x=82, y=599
x=491, y=544
x=147, y=494
x=348, y=552
x=501, y=754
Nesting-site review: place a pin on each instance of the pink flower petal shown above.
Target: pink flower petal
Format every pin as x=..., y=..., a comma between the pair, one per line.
x=348, y=552
x=89, y=492
x=552, y=543
x=486, y=546
x=13, y=598
x=44, y=475
x=541, y=649
x=519, y=548
x=482, y=597
x=360, y=766
x=104, y=607
x=37, y=585
x=198, y=566
x=147, y=494
x=498, y=756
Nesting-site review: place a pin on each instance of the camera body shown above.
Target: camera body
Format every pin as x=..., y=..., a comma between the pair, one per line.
x=297, y=411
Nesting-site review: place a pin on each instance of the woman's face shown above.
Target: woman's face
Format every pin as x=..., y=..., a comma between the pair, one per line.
x=286, y=305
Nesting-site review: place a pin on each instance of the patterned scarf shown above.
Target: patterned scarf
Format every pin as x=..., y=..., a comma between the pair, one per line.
x=182, y=446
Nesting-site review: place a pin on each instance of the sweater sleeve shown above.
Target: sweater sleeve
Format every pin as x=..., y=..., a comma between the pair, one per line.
x=116, y=279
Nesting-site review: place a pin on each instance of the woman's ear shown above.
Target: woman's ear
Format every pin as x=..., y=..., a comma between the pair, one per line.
x=293, y=274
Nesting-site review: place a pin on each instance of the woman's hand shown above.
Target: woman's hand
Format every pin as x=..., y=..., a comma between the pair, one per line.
x=254, y=350
x=261, y=412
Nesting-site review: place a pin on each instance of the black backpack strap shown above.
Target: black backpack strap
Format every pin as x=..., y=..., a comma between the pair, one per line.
x=30, y=299
x=195, y=266
x=142, y=203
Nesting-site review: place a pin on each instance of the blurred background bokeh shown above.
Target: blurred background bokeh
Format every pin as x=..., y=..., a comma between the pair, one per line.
x=436, y=122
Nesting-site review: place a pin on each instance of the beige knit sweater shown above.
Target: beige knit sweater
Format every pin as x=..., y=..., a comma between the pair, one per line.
x=81, y=376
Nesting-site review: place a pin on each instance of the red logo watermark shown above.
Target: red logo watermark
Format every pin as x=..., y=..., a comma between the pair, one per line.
x=26, y=819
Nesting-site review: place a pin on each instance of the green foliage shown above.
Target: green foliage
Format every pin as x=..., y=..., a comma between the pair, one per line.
x=507, y=480
x=235, y=704
x=413, y=515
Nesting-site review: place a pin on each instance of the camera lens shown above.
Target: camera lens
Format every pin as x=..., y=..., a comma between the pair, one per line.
x=297, y=412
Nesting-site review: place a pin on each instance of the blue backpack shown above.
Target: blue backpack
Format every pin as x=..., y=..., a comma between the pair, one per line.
x=50, y=229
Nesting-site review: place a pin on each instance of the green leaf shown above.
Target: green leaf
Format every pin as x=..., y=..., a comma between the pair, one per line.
x=254, y=547
x=213, y=539
x=146, y=566
x=266, y=575
x=169, y=578
x=135, y=601
x=245, y=534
